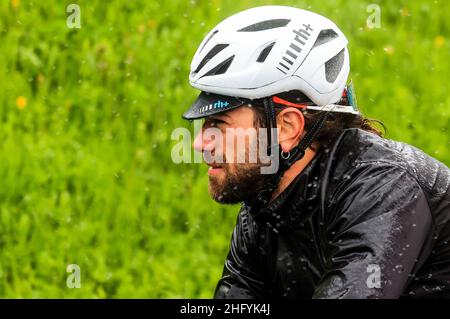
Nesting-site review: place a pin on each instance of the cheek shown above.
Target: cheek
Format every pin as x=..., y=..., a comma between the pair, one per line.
x=228, y=150
x=243, y=149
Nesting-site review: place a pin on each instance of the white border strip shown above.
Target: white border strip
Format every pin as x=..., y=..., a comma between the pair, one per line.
x=333, y=108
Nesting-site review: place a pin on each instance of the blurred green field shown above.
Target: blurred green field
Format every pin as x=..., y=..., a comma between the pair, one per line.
x=86, y=117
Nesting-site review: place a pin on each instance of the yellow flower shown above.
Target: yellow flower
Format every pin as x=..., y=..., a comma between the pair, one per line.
x=15, y=3
x=21, y=102
x=141, y=28
x=389, y=50
x=439, y=41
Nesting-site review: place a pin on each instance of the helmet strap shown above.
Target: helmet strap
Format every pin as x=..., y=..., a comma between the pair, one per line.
x=271, y=122
x=286, y=161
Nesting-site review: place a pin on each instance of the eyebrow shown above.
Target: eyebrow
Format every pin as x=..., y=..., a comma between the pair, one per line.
x=228, y=117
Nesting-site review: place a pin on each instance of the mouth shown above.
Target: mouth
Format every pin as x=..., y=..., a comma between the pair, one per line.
x=214, y=169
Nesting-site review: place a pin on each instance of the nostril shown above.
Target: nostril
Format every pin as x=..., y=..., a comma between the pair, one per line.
x=198, y=144
x=202, y=143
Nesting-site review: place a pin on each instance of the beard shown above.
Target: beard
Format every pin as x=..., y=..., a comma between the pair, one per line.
x=237, y=183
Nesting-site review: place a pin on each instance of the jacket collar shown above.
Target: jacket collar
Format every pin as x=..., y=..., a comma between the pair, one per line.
x=303, y=187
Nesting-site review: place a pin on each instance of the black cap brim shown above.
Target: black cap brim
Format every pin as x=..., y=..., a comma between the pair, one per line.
x=208, y=104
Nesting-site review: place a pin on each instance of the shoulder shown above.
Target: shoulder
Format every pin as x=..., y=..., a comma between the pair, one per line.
x=356, y=148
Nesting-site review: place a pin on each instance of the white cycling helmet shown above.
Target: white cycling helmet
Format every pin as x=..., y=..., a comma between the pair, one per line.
x=268, y=50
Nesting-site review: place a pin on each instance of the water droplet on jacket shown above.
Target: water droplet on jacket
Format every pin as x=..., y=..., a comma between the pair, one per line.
x=399, y=268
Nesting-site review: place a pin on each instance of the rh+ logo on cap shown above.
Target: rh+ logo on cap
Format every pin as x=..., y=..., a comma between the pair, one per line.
x=217, y=105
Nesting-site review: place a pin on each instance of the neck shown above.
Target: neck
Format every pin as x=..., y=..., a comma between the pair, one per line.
x=293, y=171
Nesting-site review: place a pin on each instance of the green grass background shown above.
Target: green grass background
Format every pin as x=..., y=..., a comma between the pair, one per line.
x=86, y=175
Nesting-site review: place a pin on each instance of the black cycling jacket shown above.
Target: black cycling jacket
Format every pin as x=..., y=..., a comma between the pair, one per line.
x=368, y=218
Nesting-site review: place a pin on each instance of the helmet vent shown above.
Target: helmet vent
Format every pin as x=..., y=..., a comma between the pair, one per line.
x=264, y=53
x=334, y=66
x=209, y=38
x=221, y=67
x=210, y=55
x=324, y=37
x=266, y=25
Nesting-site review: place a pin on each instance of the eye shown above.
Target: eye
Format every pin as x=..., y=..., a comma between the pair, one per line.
x=217, y=121
x=213, y=122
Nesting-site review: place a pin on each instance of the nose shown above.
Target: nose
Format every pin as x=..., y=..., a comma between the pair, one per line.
x=201, y=143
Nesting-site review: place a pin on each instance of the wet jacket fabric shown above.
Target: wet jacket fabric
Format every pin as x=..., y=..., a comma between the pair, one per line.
x=367, y=218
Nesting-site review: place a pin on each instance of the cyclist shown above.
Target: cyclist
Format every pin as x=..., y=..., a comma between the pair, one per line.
x=346, y=213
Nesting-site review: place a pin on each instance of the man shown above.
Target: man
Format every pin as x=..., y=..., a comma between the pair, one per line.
x=345, y=213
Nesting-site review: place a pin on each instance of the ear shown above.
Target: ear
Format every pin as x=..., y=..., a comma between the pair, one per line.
x=291, y=127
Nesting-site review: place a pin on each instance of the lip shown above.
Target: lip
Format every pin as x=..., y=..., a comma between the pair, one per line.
x=214, y=170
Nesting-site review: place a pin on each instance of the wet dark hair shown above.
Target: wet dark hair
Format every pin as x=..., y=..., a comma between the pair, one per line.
x=333, y=126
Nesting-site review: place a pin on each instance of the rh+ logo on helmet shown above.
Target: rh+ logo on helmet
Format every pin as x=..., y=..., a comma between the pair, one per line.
x=290, y=56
